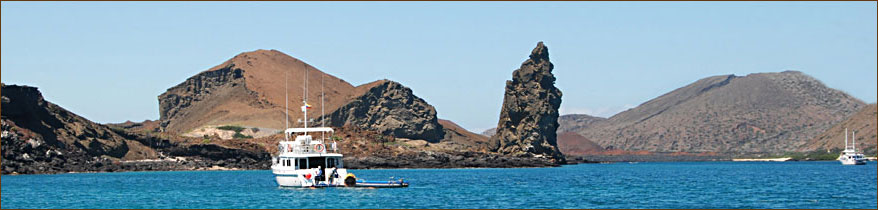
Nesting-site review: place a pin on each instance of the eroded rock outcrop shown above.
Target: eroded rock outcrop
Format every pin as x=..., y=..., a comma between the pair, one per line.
x=391, y=109
x=529, y=117
x=40, y=136
x=201, y=88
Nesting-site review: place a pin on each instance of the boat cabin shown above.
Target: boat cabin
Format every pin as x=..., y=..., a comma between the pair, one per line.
x=330, y=161
x=307, y=152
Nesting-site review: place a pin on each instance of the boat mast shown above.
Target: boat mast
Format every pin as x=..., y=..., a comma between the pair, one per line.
x=845, y=138
x=305, y=96
x=322, y=100
x=322, y=107
x=854, y=141
x=286, y=105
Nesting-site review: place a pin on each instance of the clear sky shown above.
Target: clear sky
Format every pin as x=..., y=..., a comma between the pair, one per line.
x=108, y=61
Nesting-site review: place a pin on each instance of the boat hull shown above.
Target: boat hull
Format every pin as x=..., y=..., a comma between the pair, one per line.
x=853, y=162
x=290, y=181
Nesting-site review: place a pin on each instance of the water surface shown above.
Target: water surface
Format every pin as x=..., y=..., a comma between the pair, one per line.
x=619, y=185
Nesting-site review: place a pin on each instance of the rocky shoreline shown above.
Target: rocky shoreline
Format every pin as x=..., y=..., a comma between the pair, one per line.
x=427, y=159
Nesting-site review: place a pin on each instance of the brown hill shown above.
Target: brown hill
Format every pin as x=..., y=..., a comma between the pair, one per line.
x=757, y=113
x=572, y=144
x=248, y=90
x=455, y=133
x=863, y=122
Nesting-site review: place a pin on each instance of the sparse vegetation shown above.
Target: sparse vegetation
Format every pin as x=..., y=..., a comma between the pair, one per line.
x=396, y=143
x=235, y=128
x=242, y=136
x=238, y=130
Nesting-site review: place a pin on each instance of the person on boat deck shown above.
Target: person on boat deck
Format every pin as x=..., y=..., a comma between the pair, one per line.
x=334, y=149
x=319, y=176
x=333, y=175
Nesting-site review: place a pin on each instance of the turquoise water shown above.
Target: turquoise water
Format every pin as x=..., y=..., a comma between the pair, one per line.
x=619, y=185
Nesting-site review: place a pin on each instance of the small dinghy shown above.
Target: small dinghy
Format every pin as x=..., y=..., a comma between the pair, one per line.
x=380, y=184
x=352, y=181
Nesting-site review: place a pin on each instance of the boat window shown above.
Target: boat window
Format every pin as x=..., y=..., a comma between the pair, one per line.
x=313, y=162
x=334, y=162
x=303, y=163
x=288, y=162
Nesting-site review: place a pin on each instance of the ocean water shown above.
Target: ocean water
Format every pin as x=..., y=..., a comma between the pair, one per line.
x=619, y=185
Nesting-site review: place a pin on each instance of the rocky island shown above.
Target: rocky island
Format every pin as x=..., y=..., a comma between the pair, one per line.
x=381, y=124
x=230, y=116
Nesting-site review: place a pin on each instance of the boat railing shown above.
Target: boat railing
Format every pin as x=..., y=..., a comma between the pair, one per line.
x=311, y=148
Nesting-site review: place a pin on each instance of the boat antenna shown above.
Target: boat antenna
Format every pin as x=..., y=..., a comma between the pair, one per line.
x=305, y=96
x=322, y=100
x=286, y=104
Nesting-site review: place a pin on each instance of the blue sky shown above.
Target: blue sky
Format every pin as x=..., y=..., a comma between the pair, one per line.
x=108, y=61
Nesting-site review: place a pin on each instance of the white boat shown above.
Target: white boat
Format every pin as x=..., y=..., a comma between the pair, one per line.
x=301, y=157
x=850, y=156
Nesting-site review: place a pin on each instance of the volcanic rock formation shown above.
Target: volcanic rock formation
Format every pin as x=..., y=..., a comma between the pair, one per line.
x=391, y=109
x=529, y=116
x=40, y=136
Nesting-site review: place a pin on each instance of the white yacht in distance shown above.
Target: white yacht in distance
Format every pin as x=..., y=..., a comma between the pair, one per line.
x=850, y=156
x=304, y=160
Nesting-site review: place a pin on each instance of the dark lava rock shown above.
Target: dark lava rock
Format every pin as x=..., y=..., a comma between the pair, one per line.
x=529, y=117
x=390, y=109
x=40, y=137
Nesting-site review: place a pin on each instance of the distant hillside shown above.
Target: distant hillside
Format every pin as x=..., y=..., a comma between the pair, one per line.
x=572, y=144
x=576, y=122
x=489, y=132
x=863, y=122
x=459, y=135
x=757, y=113
x=248, y=90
